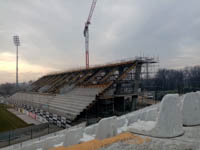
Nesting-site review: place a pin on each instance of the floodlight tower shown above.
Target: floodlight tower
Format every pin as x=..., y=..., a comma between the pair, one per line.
x=17, y=44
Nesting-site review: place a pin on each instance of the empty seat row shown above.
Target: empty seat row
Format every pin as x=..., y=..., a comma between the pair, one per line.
x=71, y=104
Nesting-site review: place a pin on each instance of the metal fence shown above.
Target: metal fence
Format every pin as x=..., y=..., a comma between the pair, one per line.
x=24, y=134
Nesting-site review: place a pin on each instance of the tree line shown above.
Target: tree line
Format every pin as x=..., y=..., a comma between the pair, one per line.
x=8, y=89
x=181, y=81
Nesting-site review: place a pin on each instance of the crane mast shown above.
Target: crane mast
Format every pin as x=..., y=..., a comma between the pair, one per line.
x=86, y=32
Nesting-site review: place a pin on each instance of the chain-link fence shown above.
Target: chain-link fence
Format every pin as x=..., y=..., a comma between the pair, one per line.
x=24, y=134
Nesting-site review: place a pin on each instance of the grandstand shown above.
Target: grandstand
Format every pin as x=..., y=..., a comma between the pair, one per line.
x=66, y=98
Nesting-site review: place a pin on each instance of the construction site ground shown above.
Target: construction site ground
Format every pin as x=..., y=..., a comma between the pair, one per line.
x=189, y=141
x=129, y=141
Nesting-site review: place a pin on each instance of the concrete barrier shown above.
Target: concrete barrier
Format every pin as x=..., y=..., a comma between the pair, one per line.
x=121, y=124
x=151, y=114
x=146, y=114
x=89, y=133
x=13, y=147
x=51, y=142
x=91, y=130
x=59, y=141
x=36, y=146
x=48, y=143
x=191, y=109
x=33, y=146
x=198, y=92
x=169, y=121
x=106, y=128
x=73, y=136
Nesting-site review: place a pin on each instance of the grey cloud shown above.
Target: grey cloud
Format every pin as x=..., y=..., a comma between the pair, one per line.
x=51, y=30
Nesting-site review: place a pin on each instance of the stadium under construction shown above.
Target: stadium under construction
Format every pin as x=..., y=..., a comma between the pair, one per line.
x=79, y=95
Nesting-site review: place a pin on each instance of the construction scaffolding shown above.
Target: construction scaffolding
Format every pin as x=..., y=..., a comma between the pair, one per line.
x=81, y=94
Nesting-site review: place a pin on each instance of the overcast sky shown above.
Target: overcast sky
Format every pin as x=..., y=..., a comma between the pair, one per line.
x=51, y=33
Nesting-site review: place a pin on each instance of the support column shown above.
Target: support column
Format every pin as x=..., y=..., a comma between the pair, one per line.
x=137, y=78
x=134, y=102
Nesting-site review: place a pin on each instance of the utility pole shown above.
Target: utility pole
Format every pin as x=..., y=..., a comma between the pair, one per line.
x=17, y=44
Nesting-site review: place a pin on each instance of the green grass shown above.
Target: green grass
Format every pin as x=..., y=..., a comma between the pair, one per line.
x=9, y=121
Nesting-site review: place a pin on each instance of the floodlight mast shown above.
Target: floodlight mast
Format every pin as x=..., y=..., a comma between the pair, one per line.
x=86, y=32
x=17, y=44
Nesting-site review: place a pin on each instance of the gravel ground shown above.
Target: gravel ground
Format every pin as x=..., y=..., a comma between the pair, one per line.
x=189, y=141
x=154, y=144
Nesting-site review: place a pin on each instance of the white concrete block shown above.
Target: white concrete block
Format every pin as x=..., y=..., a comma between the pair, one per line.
x=29, y=142
x=191, y=109
x=87, y=137
x=33, y=146
x=143, y=125
x=48, y=143
x=121, y=124
x=62, y=132
x=148, y=114
x=132, y=117
x=47, y=136
x=73, y=136
x=198, y=92
x=59, y=140
x=37, y=145
x=91, y=130
x=81, y=125
x=10, y=148
x=151, y=114
x=6, y=148
x=16, y=146
x=106, y=128
x=89, y=133
x=168, y=123
x=121, y=121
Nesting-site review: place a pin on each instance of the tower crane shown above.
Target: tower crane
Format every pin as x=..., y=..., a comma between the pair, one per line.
x=86, y=32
